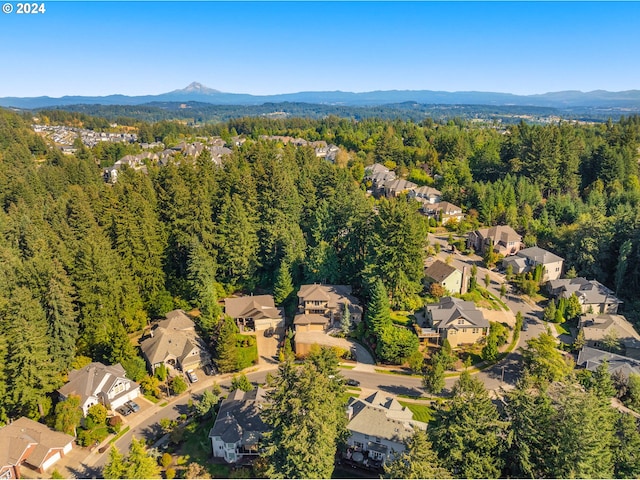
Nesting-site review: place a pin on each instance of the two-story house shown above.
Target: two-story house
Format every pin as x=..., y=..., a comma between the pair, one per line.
x=593, y=296
x=378, y=428
x=175, y=343
x=238, y=429
x=454, y=319
x=527, y=259
x=443, y=212
x=321, y=306
x=446, y=275
x=426, y=194
x=502, y=238
x=599, y=329
x=98, y=383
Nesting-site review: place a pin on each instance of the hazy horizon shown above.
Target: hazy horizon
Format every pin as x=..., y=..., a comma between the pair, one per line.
x=270, y=48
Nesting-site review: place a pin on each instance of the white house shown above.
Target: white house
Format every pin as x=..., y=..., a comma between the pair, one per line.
x=238, y=428
x=98, y=383
x=379, y=427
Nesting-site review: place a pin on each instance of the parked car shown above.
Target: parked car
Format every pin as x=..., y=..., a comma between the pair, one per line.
x=269, y=332
x=353, y=383
x=132, y=405
x=124, y=410
x=193, y=378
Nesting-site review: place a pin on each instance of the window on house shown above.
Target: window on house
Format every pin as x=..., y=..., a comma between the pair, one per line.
x=461, y=321
x=475, y=330
x=118, y=388
x=464, y=330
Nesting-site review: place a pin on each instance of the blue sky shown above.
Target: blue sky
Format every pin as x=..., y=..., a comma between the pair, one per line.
x=135, y=48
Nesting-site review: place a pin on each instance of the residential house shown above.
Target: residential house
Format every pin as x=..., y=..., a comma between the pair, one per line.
x=593, y=296
x=379, y=427
x=27, y=442
x=502, y=238
x=597, y=329
x=591, y=358
x=446, y=275
x=454, y=319
x=254, y=313
x=443, y=212
x=426, y=195
x=319, y=308
x=527, y=259
x=397, y=187
x=238, y=429
x=175, y=343
x=379, y=176
x=98, y=383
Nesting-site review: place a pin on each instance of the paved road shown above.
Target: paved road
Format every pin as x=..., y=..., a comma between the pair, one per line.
x=502, y=375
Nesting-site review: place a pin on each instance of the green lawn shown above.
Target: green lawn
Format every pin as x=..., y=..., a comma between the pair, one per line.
x=422, y=413
x=346, y=367
x=151, y=398
x=402, y=318
x=247, y=356
x=196, y=447
x=121, y=433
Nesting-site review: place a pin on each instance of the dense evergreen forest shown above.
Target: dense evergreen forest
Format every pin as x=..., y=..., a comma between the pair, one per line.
x=84, y=264
x=198, y=113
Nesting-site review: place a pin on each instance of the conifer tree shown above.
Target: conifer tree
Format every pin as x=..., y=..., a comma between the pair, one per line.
x=378, y=310
x=282, y=284
x=62, y=327
x=29, y=370
x=226, y=351
x=306, y=419
x=419, y=460
x=345, y=321
x=469, y=434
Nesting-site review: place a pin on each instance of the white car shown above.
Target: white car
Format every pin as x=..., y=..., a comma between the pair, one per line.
x=193, y=378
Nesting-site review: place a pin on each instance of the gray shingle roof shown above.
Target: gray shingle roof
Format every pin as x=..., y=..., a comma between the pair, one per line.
x=256, y=307
x=382, y=417
x=540, y=256
x=446, y=313
x=239, y=417
x=591, y=358
x=589, y=292
x=174, y=337
x=94, y=379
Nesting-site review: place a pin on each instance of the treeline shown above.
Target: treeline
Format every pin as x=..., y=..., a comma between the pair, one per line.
x=199, y=113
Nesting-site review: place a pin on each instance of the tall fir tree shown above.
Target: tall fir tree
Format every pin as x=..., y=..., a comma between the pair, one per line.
x=419, y=460
x=378, y=316
x=469, y=435
x=225, y=350
x=282, y=284
x=306, y=420
x=62, y=326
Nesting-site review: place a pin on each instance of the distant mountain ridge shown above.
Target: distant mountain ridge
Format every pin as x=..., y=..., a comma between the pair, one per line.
x=196, y=92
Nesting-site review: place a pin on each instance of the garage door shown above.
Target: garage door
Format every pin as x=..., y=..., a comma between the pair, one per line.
x=49, y=462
